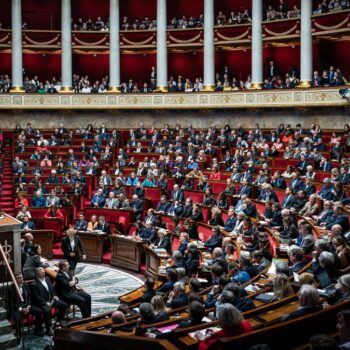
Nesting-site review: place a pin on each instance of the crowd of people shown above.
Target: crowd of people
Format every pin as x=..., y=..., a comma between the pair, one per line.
x=190, y=157
x=324, y=6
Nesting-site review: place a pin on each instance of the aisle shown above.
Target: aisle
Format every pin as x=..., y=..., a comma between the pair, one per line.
x=7, y=199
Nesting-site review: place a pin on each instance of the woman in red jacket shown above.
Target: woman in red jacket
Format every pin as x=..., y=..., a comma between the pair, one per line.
x=232, y=324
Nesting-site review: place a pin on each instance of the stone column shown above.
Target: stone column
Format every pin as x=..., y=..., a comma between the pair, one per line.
x=114, y=47
x=162, y=50
x=66, y=47
x=257, y=45
x=306, y=44
x=209, y=50
x=17, y=65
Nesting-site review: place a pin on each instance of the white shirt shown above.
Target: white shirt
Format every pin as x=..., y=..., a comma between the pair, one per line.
x=43, y=282
x=72, y=243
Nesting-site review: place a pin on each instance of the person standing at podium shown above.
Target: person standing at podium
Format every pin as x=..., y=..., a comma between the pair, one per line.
x=72, y=247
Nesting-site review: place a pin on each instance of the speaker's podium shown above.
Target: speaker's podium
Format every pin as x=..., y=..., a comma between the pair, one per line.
x=10, y=240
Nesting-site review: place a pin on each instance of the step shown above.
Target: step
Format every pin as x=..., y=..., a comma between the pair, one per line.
x=5, y=327
x=3, y=313
x=7, y=341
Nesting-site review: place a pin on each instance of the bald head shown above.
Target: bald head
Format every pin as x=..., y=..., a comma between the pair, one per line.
x=118, y=317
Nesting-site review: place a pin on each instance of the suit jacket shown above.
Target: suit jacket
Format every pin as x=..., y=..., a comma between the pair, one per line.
x=245, y=190
x=14, y=300
x=288, y=201
x=230, y=224
x=165, y=244
x=177, y=195
x=302, y=311
x=213, y=242
x=30, y=265
x=81, y=225
x=63, y=289
x=179, y=301
x=175, y=211
x=78, y=247
x=104, y=228
x=163, y=207
x=99, y=200
x=183, y=246
x=187, y=211
x=29, y=226
x=297, y=185
x=279, y=183
x=40, y=294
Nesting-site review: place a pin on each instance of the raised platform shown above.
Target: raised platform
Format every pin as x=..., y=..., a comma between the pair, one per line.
x=295, y=98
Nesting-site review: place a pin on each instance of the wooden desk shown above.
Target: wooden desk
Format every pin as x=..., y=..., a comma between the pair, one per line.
x=154, y=260
x=44, y=238
x=93, y=243
x=126, y=252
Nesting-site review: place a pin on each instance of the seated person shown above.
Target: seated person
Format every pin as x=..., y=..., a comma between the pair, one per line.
x=54, y=213
x=178, y=297
x=215, y=240
x=81, y=223
x=195, y=315
x=92, y=223
x=308, y=301
x=68, y=291
x=147, y=316
x=38, y=200
x=20, y=310
x=32, y=263
x=160, y=309
x=44, y=298
x=163, y=241
x=27, y=225
x=149, y=291
x=171, y=276
x=98, y=200
x=232, y=323
x=148, y=233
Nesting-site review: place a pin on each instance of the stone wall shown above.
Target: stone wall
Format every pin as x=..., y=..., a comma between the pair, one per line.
x=328, y=118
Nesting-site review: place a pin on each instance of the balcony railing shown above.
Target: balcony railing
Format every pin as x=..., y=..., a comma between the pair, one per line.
x=331, y=24
x=296, y=98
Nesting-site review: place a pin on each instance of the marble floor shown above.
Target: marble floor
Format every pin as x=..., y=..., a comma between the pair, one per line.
x=104, y=284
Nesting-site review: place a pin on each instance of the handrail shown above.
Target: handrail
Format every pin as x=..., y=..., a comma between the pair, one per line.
x=2, y=253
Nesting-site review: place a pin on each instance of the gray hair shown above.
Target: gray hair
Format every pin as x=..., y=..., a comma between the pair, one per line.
x=177, y=255
x=326, y=259
x=345, y=280
x=308, y=295
x=321, y=244
x=228, y=316
x=179, y=287
x=181, y=271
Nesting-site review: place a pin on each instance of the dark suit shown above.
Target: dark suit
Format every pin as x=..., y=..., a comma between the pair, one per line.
x=138, y=206
x=164, y=243
x=147, y=296
x=177, y=195
x=70, y=295
x=288, y=201
x=67, y=249
x=183, y=246
x=213, y=242
x=303, y=311
x=245, y=190
x=81, y=225
x=180, y=301
x=41, y=296
x=17, y=306
x=187, y=211
x=30, y=265
x=164, y=207
x=230, y=224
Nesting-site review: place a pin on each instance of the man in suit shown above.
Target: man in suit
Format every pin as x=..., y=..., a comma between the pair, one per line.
x=163, y=206
x=187, y=209
x=184, y=240
x=27, y=225
x=272, y=71
x=339, y=218
x=231, y=220
x=44, y=298
x=111, y=201
x=325, y=165
x=296, y=257
x=296, y=183
x=303, y=164
x=245, y=189
x=176, y=209
x=52, y=179
x=103, y=131
x=177, y=193
x=344, y=176
x=267, y=194
x=71, y=246
x=327, y=190
x=150, y=216
x=20, y=310
x=149, y=292
x=178, y=297
x=105, y=178
x=81, y=223
x=67, y=290
x=215, y=240
x=148, y=232
x=288, y=200
x=278, y=181
x=308, y=301
x=98, y=199
x=137, y=206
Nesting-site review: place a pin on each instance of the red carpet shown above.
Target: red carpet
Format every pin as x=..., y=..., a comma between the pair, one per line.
x=7, y=198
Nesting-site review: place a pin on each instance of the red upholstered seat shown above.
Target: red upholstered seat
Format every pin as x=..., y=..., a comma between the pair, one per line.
x=204, y=232
x=175, y=244
x=197, y=197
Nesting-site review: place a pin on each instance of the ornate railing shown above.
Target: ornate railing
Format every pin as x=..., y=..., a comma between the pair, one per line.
x=214, y=100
